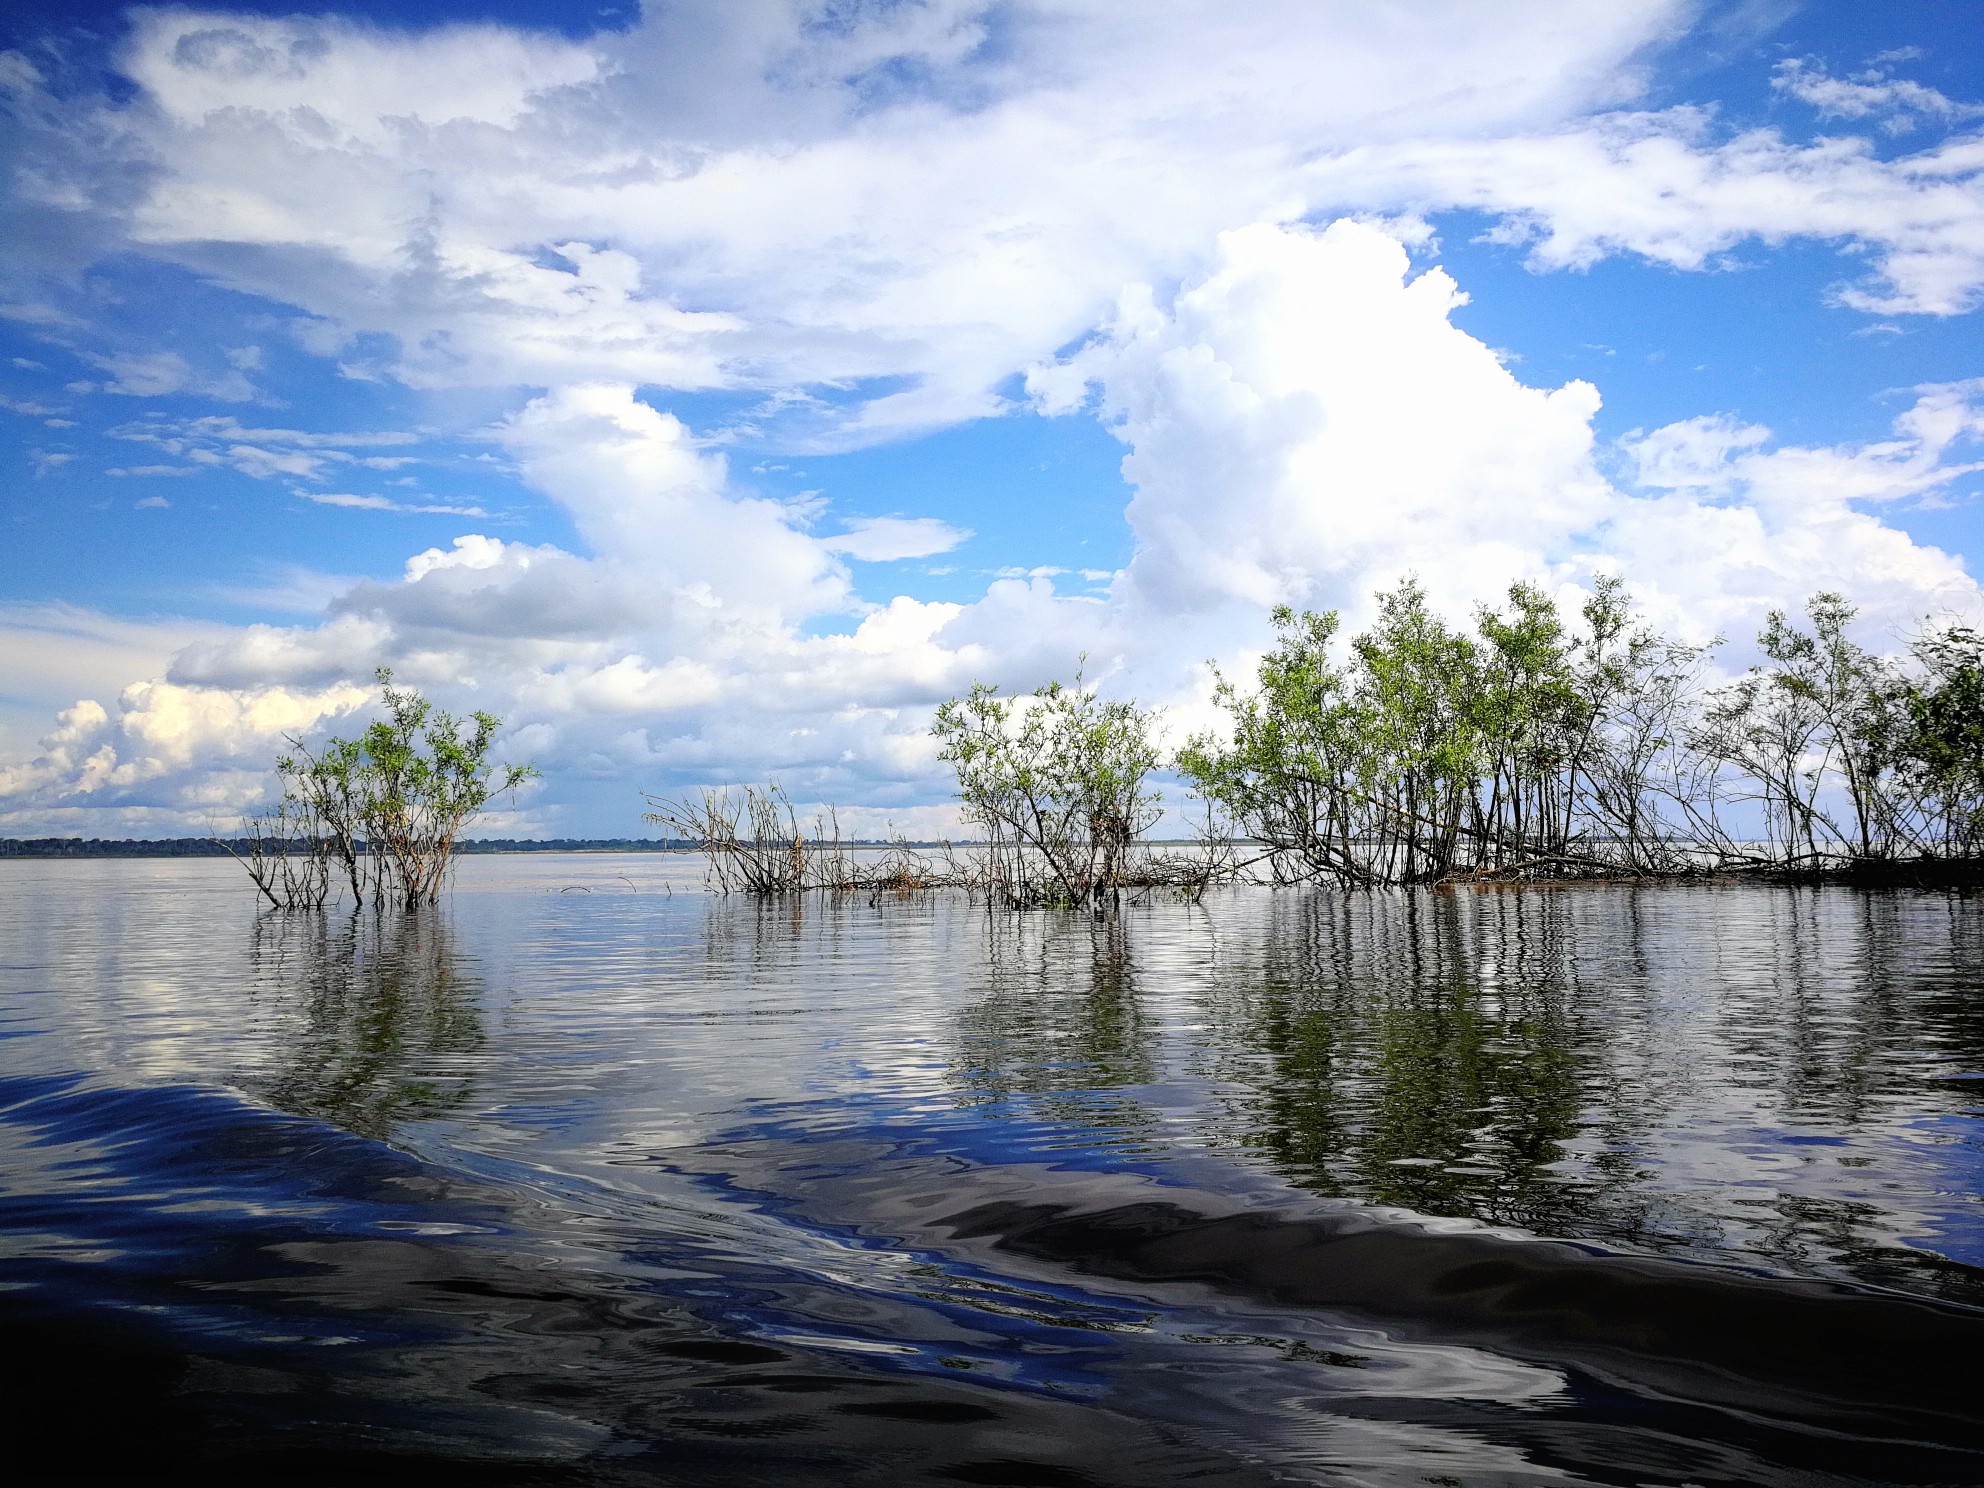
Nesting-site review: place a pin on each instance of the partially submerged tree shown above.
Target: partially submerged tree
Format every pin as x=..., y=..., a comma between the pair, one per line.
x=1635, y=778
x=1058, y=782
x=381, y=814
x=425, y=775
x=1291, y=774
x=754, y=843
x=1939, y=745
x=1535, y=746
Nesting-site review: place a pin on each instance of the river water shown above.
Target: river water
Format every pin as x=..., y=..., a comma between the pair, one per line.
x=590, y=1177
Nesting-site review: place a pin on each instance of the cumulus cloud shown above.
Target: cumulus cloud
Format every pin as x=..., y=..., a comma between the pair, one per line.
x=1307, y=416
x=1302, y=424
x=56, y=651
x=1307, y=422
x=643, y=493
x=876, y=217
x=168, y=752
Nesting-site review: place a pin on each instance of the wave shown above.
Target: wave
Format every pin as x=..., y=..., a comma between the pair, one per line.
x=1823, y=1354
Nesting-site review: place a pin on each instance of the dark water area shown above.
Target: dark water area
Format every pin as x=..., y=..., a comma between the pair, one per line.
x=590, y=1178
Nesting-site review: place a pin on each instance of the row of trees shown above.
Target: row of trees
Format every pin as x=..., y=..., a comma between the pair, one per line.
x=380, y=814
x=1420, y=752
x=1416, y=752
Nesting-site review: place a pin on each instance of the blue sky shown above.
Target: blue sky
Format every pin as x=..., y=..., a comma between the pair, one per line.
x=711, y=389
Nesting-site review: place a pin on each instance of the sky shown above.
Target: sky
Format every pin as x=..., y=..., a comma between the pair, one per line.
x=709, y=388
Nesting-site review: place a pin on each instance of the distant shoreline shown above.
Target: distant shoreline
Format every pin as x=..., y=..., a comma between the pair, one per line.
x=208, y=847
x=1923, y=873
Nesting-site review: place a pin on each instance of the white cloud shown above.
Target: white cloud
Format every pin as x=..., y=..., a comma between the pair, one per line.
x=177, y=748
x=885, y=539
x=1665, y=186
x=1694, y=454
x=1307, y=423
x=221, y=442
x=876, y=217
x=1902, y=105
x=385, y=503
x=643, y=494
x=28, y=406
x=55, y=651
x=1307, y=418
x=155, y=374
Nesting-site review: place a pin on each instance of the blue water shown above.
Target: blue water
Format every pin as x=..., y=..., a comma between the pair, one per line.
x=588, y=1176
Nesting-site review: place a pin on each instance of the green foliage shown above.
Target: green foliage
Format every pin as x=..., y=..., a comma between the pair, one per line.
x=1427, y=752
x=1941, y=737
x=1534, y=745
x=1810, y=738
x=384, y=811
x=1292, y=772
x=1057, y=781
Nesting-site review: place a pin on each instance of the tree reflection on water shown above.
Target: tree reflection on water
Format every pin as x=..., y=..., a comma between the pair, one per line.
x=1395, y=1049
x=1692, y=1070
x=1619, y=1064
x=386, y=1024
x=1061, y=1024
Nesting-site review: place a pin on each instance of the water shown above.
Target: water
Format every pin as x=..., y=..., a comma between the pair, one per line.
x=591, y=1178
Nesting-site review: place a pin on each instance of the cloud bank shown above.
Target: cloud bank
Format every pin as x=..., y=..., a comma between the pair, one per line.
x=1184, y=220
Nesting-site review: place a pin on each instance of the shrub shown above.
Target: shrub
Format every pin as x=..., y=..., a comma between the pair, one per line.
x=383, y=812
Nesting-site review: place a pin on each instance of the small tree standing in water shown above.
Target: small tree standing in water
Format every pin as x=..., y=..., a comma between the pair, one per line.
x=384, y=812
x=1057, y=782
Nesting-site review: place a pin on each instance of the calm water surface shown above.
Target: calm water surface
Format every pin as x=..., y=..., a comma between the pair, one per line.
x=588, y=1177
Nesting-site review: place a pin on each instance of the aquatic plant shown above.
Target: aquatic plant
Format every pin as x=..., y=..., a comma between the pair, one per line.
x=383, y=813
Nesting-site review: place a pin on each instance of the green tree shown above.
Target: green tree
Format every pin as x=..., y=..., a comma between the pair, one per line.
x=1534, y=724
x=425, y=776
x=1292, y=771
x=1634, y=779
x=1419, y=681
x=1057, y=781
x=1822, y=710
x=1941, y=748
x=387, y=808
x=1426, y=754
